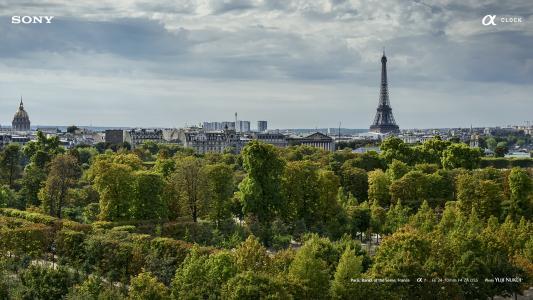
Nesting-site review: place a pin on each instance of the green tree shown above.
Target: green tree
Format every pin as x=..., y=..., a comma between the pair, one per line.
x=359, y=217
x=300, y=188
x=394, y=148
x=148, y=202
x=368, y=161
x=492, y=143
x=355, y=181
x=43, y=149
x=220, y=268
x=10, y=163
x=94, y=288
x=378, y=219
x=520, y=187
x=378, y=187
x=251, y=255
x=72, y=129
x=189, y=183
x=485, y=196
x=63, y=175
x=412, y=189
x=403, y=255
x=397, y=216
x=461, y=156
x=431, y=150
x=145, y=286
x=31, y=184
x=115, y=183
x=42, y=282
x=424, y=220
x=189, y=282
x=350, y=266
x=260, y=190
x=8, y=198
x=397, y=169
x=251, y=285
x=311, y=273
x=220, y=188
x=330, y=213
x=501, y=149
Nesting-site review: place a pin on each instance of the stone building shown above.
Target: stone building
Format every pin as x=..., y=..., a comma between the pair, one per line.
x=137, y=137
x=210, y=141
x=274, y=138
x=21, y=120
x=316, y=139
x=114, y=136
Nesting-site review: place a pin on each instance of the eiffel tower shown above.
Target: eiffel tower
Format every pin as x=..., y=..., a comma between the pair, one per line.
x=384, y=120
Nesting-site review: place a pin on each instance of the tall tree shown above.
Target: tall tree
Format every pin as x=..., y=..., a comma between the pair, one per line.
x=485, y=196
x=115, y=182
x=10, y=163
x=412, y=189
x=219, y=189
x=260, y=190
x=431, y=150
x=461, y=156
x=189, y=183
x=300, y=189
x=31, y=184
x=355, y=181
x=394, y=148
x=64, y=173
x=349, y=267
x=521, y=187
x=311, y=273
x=148, y=203
x=378, y=187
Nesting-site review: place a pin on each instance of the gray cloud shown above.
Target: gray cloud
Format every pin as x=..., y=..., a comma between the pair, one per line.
x=438, y=51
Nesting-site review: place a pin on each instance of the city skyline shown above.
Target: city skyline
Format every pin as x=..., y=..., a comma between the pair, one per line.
x=297, y=65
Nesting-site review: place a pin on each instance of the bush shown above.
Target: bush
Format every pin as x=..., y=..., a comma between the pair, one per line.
x=116, y=255
x=164, y=257
x=200, y=233
x=69, y=245
x=30, y=216
x=252, y=285
x=146, y=286
x=28, y=240
x=281, y=241
x=43, y=282
x=127, y=228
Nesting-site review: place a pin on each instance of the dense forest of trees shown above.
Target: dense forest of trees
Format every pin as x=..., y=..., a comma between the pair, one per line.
x=160, y=222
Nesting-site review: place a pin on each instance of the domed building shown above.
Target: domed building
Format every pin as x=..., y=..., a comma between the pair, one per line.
x=21, y=120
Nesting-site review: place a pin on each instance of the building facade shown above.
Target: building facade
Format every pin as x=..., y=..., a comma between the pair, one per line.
x=276, y=139
x=243, y=126
x=114, y=136
x=218, y=126
x=316, y=139
x=262, y=126
x=202, y=141
x=136, y=137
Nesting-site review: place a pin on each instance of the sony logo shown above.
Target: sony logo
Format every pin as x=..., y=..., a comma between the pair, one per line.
x=31, y=19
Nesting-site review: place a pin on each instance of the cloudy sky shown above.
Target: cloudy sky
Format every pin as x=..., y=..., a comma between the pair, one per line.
x=295, y=63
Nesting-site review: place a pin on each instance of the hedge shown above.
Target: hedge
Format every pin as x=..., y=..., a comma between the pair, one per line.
x=44, y=219
x=506, y=163
x=28, y=240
